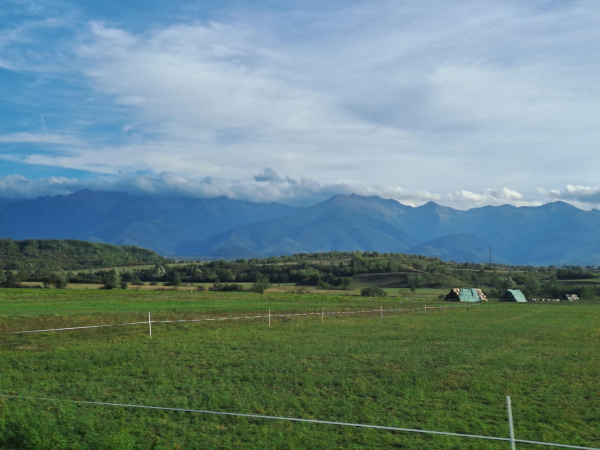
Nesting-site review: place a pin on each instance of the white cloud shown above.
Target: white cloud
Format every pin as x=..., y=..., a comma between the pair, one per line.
x=271, y=176
x=277, y=189
x=476, y=94
x=584, y=197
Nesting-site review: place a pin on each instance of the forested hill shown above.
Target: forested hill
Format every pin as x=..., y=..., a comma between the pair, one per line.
x=71, y=254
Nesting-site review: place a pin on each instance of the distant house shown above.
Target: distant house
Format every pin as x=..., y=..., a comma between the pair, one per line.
x=513, y=295
x=465, y=295
x=568, y=297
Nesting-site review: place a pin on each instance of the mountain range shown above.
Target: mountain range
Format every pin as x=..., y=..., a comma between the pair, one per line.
x=555, y=233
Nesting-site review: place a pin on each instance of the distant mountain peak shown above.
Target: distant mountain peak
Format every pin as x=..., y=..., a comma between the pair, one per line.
x=554, y=233
x=432, y=206
x=82, y=193
x=559, y=206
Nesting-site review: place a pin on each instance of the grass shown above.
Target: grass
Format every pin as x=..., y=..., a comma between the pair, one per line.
x=284, y=288
x=66, y=302
x=447, y=370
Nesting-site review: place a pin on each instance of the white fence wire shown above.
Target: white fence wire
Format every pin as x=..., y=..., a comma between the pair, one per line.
x=510, y=439
x=269, y=316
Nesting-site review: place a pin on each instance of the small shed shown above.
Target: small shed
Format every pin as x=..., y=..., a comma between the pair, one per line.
x=513, y=295
x=465, y=295
x=568, y=297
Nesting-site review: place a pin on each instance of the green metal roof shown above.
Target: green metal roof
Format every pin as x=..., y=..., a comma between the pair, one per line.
x=469, y=295
x=514, y=295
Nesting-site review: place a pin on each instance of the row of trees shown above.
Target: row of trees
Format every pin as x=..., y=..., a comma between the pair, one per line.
x=412, y=271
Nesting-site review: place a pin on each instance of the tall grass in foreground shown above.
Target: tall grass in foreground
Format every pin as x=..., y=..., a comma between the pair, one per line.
x=447, y=370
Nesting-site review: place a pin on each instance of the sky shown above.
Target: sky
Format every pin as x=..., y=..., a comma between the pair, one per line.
x=466, y=103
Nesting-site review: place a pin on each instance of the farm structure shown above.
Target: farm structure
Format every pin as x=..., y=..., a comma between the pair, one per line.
x=465, y=295
x=513, y=295
x=569, y=297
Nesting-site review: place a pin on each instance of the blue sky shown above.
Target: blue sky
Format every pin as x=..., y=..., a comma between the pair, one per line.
x=466, y=103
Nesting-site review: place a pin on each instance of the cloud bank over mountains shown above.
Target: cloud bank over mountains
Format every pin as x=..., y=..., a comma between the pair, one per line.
x=470, y=95
x=268, y=186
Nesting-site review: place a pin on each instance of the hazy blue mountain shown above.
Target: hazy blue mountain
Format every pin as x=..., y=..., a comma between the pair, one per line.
x=163, y=225
x=340, y=223
x=555, y=233
x=459, y=248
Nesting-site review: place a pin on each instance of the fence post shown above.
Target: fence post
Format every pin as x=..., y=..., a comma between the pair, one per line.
x=269, y=317
x=149, y=324
x=425, y=308
x=322, y=313
x=510, y=424
x=382, y=311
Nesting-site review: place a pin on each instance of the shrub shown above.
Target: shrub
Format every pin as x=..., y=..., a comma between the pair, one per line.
x=233, y=287
x=373, y=291
x=175, y=279
x=60, y=281
x=260, y=285
x=111, y=279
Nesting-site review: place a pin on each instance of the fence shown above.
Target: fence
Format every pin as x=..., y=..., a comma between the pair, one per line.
x=322, y=313
x=511, y=439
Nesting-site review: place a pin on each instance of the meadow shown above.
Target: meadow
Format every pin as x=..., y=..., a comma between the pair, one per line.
x=446, y=370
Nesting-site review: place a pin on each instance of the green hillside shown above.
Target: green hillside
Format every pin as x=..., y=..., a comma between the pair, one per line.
x=70, y=254
x=404, y=279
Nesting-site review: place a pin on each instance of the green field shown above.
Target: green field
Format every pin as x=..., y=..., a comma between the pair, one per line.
x=447, y=370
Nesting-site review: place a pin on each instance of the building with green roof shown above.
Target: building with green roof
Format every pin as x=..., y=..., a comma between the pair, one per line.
x=513, y=295
x=465, y=295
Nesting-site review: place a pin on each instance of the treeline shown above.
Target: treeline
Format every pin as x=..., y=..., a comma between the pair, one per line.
x=35, y=255
x=115, y=279
x=417, y=261
x=334, y=270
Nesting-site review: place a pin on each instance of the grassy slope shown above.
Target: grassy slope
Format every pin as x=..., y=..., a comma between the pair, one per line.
x=448, y=370
x=385, y=280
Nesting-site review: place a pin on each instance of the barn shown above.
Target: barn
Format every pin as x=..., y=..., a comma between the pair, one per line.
x=513, y=295
x=465, y=295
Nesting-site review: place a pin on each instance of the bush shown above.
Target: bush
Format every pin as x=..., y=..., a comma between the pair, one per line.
x=200, y=288
x=138, y=283
x=175, y=279
x=373, y=291
x=60, y=281
x=260, y=285
x=10, y=281
x=111, y=279
x=233, y=287
x=153, y=283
